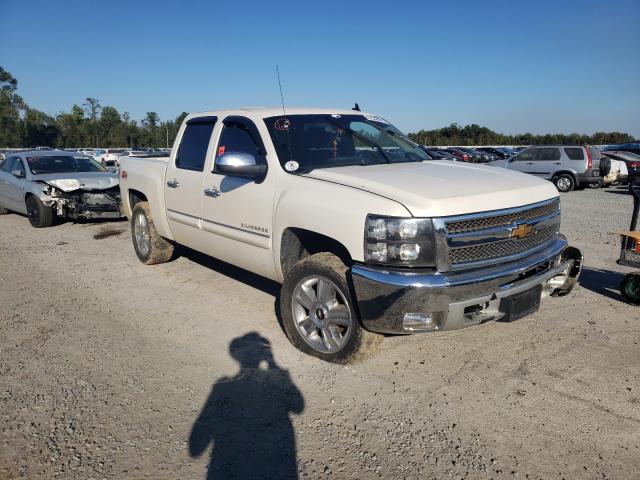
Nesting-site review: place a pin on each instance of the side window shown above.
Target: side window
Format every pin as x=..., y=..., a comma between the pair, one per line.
x=6, y=165
x=528, y=155
x=574, y=153
x=193, y=146
x=236, y=137
x=549, y=154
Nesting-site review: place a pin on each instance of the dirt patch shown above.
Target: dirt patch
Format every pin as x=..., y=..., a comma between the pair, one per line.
x=108, y=232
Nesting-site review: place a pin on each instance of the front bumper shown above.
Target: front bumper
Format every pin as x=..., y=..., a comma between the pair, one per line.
x=394, y=301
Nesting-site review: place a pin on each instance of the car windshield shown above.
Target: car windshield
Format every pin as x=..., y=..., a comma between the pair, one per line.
x=62, y=164
x=326, y=141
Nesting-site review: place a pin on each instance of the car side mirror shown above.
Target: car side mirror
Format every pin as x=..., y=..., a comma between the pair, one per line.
x=18, y=173
x=239, y=164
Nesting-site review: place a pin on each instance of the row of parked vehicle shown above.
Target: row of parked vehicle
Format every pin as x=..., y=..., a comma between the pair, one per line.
x=109, y=157
x=567, y=166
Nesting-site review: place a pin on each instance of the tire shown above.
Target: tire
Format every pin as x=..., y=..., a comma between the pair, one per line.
x=319, y=314
x=630, y=288
x=40, y=216
x=150, y=247
x=564, y=182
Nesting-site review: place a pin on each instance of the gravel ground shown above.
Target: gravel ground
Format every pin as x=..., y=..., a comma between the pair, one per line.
x=111, y=369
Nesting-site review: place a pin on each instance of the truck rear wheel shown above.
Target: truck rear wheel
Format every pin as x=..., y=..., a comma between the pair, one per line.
x=150, y=247
x=319, y=314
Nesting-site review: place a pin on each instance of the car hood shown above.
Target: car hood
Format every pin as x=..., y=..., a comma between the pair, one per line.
x=440, y=188
x=68, y=182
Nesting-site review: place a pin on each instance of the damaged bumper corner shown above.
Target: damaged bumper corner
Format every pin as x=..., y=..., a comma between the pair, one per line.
x=85, y=205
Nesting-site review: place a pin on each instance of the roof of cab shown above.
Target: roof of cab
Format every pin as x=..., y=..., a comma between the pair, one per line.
x=266, y=112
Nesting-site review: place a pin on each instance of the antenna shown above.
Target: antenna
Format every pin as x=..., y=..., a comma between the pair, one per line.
x=294, y=165
x=284, y=113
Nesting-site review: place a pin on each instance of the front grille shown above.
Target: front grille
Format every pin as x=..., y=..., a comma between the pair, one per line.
x=482, y=223
x=504, y=248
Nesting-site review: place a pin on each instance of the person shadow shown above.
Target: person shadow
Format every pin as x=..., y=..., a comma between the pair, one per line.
x=246, y=417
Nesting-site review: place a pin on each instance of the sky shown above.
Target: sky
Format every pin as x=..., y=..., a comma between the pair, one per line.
x=514, y=66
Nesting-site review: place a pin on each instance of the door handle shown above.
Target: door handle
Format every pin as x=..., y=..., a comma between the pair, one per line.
x=212, y=192
x=557, y=163
x=173, y=184
x=528, y=163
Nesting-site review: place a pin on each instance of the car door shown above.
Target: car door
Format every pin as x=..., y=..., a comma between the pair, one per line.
x=13, y=186
x=237, y=213
x=548, y=162
x=183, y=181
x=525, y=161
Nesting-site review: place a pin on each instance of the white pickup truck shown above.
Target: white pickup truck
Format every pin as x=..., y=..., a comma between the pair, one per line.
x=365, y=233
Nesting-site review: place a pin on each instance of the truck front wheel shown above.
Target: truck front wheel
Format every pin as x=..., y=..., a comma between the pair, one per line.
x=150, y=247
x=318, y=311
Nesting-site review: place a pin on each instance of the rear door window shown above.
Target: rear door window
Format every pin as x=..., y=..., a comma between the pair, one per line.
x=549, y=154
x=574, y=153
x=195, y=141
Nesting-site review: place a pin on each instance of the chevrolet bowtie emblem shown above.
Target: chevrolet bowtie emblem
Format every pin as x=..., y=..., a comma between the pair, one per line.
x=521, y=231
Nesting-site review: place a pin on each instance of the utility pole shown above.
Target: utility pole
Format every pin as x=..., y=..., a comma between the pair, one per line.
x=167, y=130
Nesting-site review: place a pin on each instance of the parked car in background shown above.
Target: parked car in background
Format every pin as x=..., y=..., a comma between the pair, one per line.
x=438, y=154
x=459, y=154
x=566, y=166
x=109, y=156
x=499, y=152
x=631, y=160
x=54, y=183
x=625, y=147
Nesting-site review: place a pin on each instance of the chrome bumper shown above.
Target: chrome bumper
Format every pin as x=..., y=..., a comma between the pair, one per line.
x=395, y=301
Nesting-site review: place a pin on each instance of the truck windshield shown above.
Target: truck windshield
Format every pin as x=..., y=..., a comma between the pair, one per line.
x=62, y=164
x=326, y=141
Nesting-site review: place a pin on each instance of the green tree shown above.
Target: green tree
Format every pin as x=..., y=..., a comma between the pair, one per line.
x=11, y=106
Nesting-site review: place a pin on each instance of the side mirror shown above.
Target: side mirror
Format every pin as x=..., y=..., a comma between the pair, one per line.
x=239, y=164
x=18, y=173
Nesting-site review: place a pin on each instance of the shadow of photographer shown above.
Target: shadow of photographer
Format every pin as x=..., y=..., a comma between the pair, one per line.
x=246, y=417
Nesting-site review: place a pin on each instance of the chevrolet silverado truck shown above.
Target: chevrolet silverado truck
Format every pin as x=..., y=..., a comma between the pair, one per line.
x=366, y=234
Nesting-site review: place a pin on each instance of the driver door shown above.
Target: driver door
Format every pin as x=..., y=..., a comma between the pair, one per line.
x=237, y=213
x=13, y=187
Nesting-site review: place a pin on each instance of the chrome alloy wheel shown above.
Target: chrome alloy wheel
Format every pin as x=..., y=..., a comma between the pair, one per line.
x=564, y=183
x=142, y=234
x=321, y=314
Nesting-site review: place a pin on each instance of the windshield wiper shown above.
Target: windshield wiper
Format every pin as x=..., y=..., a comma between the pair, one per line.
x=363, y=138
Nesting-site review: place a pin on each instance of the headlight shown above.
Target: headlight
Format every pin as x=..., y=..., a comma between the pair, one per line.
x=399, y=241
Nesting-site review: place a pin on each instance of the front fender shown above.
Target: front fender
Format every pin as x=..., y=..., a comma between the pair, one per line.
x=336, y=211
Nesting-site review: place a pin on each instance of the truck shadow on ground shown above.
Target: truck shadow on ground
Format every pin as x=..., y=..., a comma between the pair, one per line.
x=246, y=417
x=602, y=282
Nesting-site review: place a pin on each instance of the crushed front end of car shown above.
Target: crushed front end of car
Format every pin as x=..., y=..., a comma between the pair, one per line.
x=84, y=204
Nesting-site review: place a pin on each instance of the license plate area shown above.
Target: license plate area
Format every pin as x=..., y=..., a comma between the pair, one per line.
x=521, y=304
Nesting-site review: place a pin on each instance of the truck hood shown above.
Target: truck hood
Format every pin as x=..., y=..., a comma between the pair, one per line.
x=67, y=182
x=443, y=188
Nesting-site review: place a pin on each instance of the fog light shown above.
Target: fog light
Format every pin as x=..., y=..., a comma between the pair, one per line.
x=418, y=321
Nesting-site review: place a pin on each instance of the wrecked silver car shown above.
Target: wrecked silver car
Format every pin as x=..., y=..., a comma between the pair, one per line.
x=49, y=184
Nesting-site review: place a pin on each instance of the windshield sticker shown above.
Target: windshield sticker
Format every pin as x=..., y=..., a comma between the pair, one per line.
x=283, y=124
x=291, y=166
x=375, y=118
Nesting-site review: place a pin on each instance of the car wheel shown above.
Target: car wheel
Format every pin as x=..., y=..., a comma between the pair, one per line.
x=630, y=288
x=319, y=314
x=40, y=216
x=564, y=182
x=150, y=247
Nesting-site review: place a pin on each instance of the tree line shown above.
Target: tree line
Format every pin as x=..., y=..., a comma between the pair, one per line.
x=474, y=134
x=94, y=125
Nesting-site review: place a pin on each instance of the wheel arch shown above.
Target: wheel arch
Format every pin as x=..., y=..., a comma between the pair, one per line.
x=298, y=243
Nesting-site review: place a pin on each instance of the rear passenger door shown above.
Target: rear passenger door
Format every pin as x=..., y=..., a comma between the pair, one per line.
x=548, y=162
x=13, y=187
x=183, y=181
